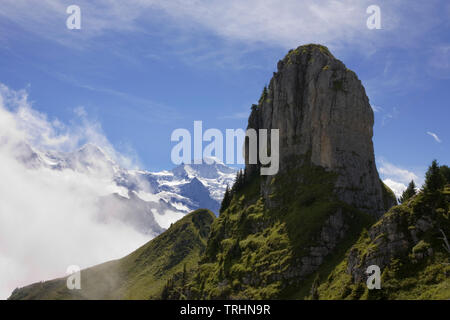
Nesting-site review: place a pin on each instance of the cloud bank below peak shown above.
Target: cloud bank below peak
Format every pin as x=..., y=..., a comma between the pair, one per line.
x=48, y=218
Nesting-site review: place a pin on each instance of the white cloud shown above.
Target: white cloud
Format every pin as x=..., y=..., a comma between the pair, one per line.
x=376, y=108
x=286, y=23
x=389, y=116
x=439, y=61
x=42, y=133
x=47, y=18
x=227, y=34
x=236, y=115
x=397, y=178
x=390, y=171
x=80, y=111
x=48, y=218
x=435, y=136
x=396, y=187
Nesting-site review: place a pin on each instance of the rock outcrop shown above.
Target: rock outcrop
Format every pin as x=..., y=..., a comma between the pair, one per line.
x=278, y=230
x=408, y=244
x=323, y=115
x=400, y=232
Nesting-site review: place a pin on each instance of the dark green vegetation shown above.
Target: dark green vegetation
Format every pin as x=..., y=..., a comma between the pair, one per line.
x=409, y=192
x=239, y=183
x=445, y=171
x=140, y=275
x=434, y=179
x=255, y=247
x=309, y=47
x=420, y=268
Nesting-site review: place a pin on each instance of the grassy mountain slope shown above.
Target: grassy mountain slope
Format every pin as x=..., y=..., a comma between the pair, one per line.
x=261, y=250
x=140, y=275
x=408, y=245
x=257, y=250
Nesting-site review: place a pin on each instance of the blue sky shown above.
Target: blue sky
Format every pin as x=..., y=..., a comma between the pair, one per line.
x=140, y=69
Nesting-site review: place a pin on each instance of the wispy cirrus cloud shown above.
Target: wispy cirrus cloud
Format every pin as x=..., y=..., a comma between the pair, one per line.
x=236, y=115
x=286, y=24
x=145, y=109
x=439, y=61
x=435, y=136
x=227, y=34
x=389, y=116
x=390, y=170
x=376, y=108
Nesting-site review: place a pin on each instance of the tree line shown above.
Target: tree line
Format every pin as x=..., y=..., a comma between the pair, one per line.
x=436, y=178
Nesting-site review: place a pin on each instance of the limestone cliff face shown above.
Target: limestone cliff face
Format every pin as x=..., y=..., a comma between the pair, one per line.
x=323, y=115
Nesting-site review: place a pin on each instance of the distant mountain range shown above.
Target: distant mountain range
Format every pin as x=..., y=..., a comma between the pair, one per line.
x=148, y=201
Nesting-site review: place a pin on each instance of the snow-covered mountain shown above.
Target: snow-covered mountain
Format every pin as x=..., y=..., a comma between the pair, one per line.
x=148, y=201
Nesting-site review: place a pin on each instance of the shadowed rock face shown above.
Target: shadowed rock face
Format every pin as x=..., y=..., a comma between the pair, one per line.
x=323, y=115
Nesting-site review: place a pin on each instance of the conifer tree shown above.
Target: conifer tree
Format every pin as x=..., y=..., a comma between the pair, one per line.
x=241, y=179
x=434, y=180
x=409, y=192
x=226, y=200
x=445, y=170
x=237, y=182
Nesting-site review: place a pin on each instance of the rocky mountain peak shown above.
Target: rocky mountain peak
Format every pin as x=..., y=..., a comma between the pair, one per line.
x=210, y=168
x=324, y=117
